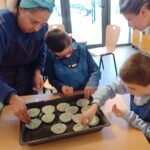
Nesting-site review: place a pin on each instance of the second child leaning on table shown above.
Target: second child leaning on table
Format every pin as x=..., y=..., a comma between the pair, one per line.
x=69, y=66
x=135, y=79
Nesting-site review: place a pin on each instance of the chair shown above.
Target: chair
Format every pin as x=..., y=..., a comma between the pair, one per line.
x=112, y=35
x=56, y=26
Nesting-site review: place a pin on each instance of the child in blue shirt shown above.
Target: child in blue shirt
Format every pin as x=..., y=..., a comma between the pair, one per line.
x=135, y=79
x=69, y=66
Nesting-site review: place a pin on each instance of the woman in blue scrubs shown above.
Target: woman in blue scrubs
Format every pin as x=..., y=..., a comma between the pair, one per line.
x=22, y=51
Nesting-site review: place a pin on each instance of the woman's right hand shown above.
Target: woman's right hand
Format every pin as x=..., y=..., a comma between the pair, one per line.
x=67, y=90
x=88, y=115
x=19, y=108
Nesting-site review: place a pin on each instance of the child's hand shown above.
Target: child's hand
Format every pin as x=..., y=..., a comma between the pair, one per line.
x=38, y=79
x=117, y=111
x=88, y=115
x=88, y=91
x=19, y=108
x=67, y=90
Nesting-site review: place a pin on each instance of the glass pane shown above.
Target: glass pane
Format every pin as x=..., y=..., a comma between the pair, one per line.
x=86, y=20
x=56, y=17
x=118, y=19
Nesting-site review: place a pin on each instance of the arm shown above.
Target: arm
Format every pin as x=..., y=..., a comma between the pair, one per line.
x=99, y=98
x=133, y=119
x=7, y=93
x=40, y=61
x=137, y=122
x=109, y=91
x=94, y=72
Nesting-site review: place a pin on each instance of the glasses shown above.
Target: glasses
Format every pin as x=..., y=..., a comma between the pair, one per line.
x=35, y=22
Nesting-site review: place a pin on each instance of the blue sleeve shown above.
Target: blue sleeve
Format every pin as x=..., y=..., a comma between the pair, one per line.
x=93, y=71
x=6, y=32
x=49, y=71
x=40, y=61
x=5, y=92
x=5, y=89
x=109, y=91
x=138, y=123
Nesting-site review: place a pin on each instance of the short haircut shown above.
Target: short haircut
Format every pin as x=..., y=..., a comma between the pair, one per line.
x=133, y=6
x=136, y=69
x=57, y=40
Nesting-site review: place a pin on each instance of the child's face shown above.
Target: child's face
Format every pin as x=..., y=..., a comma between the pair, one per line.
x=138, y=90
x=65, y=53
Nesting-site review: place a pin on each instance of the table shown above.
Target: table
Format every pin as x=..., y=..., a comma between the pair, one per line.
x=118, y=136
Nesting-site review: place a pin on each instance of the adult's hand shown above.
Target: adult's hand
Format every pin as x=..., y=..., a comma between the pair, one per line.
x=19, y=108
x=38, y=80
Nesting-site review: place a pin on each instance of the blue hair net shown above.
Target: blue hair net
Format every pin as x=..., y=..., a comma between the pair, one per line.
x=48, y=4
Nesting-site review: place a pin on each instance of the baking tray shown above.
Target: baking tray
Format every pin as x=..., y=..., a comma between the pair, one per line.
x=43, y=134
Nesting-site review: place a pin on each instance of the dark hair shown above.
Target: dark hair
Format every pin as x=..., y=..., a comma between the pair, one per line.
x=57, y=40
x=136, y=69
x=18, y=3
x=133, y=6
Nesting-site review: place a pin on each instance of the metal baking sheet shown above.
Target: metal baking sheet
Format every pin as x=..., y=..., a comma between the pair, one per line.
x=43, y=133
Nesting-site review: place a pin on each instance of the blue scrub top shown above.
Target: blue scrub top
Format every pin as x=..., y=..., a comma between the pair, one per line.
x=20, y=54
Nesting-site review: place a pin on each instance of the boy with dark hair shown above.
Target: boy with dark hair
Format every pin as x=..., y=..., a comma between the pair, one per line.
x=69, y=66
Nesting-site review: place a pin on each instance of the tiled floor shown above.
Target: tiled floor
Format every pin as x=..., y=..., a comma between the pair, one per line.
x=108, y=73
